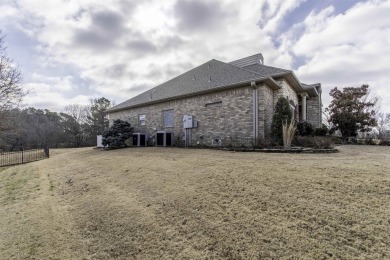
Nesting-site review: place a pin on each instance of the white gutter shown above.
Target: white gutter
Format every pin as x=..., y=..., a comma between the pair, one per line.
x=255, y=96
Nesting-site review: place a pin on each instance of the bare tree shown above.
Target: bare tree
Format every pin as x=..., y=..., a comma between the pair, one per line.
x=11, y=90
x=75, y=123
x=383, y=125
x=80, y=113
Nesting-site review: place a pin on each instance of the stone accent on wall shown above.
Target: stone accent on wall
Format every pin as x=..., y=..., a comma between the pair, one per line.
x=286, y=91
x=225, y=115
x=314, y=111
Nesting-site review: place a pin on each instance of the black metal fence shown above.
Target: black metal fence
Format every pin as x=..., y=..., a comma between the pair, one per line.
x=21, y=156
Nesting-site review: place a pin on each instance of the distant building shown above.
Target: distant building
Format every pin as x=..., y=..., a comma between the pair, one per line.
x=220, y=102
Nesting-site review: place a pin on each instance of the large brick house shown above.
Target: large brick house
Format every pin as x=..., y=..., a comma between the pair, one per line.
x=220, y=102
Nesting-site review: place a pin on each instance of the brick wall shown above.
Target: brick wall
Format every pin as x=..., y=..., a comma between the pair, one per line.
x=231, y=120
x=314, y=111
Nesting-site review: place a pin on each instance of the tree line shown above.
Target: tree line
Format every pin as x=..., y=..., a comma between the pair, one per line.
x=77, y=126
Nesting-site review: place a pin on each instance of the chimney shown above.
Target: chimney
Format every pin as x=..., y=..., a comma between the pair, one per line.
x=261, y=58
x=247, y=61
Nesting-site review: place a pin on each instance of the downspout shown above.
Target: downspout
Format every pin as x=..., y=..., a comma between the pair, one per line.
x=255, y=113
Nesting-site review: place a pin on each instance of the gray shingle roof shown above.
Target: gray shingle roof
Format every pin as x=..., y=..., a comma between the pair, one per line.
x=211, y=75
x=266, y=71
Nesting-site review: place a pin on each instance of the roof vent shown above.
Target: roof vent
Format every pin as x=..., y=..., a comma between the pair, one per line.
x=210, y=79
x=193, y=77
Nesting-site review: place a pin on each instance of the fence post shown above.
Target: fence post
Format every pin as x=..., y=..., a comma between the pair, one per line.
x=22, y=155
x=46, y=149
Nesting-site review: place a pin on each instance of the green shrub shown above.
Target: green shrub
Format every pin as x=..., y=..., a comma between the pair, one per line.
x=317, y=142
x=321, y=131
x=117, y=134
x=283, y=115
x=305, y=128
x=336, y=140
x=384, y=142
x=264, y=143
x=370, y=141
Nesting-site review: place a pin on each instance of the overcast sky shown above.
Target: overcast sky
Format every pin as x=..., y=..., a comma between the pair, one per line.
x=72, y=50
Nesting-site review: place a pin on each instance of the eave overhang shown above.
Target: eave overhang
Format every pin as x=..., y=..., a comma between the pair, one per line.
x=270, y=82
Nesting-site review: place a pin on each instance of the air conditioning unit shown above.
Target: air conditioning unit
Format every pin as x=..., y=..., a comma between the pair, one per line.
x=164, y=138
x=139, y=139
x=99, y=141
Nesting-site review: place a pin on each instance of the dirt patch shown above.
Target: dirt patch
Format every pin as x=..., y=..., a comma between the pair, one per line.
x=171, y=203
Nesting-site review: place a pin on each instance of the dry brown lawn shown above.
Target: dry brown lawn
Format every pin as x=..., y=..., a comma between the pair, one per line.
x=171, y=203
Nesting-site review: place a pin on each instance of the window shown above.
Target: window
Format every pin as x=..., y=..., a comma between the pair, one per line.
x=141, y=119
x=168, y=118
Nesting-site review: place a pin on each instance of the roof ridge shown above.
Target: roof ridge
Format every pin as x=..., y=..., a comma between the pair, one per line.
x=246, y=70
x=183, y=73
x=243, y=68
x=271, y=67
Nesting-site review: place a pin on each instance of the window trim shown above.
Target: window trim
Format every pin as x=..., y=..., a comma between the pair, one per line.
x=141, y=122
x=173, y=118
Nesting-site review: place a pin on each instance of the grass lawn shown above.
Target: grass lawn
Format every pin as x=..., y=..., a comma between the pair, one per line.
x=171, y=203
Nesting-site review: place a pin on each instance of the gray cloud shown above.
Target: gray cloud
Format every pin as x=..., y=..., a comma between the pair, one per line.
x=89, y=38
x=141, y=46
x=129, y=6
x=116, y=71
x=197, y=15
x=176, y=69
x=154, y=73
x=107, y=21
x=105, y=28
x=172, y=42
x=140, y=87
x=172, y=70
